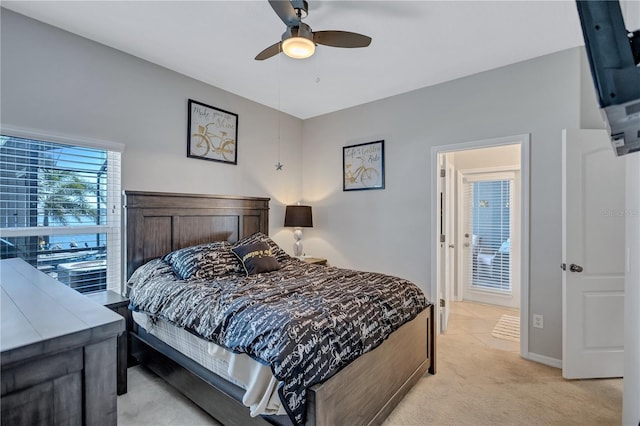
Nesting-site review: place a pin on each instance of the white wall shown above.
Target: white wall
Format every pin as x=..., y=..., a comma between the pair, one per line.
x=498, y=156
x=631, y=396
x=631, y=403
x=387, y=230
x=56, y=82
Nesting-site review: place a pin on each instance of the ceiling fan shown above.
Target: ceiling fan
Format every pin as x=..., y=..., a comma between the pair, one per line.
x=299, y=41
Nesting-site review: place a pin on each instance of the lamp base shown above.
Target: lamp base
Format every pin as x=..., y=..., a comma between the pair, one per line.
x=297, y=246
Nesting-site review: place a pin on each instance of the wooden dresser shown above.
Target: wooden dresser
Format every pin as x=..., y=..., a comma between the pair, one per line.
x=58, y=352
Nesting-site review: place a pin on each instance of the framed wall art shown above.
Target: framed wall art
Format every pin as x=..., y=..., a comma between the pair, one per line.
x=363, y=166
x=212, y=133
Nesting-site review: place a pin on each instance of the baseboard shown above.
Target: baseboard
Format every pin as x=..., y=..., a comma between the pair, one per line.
x=546, y=360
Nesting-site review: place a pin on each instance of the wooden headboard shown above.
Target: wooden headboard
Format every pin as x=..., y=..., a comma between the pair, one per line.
x=157, y=223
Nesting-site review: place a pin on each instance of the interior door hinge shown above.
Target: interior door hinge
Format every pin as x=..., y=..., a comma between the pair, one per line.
x=443, y=303
x=443, y=173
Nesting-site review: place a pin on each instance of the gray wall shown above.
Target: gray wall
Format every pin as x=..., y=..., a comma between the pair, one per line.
x=57, y=82
x=388, y=230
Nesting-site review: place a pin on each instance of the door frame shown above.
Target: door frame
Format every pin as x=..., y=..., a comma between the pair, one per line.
x=523, y=141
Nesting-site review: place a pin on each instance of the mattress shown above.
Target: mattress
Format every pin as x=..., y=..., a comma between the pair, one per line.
x=261, y=388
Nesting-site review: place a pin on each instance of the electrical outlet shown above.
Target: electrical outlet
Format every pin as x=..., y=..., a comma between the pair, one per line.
x=538, y=321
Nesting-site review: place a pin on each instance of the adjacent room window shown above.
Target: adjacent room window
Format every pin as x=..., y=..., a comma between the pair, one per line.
x=488, y=201
x=60, y=210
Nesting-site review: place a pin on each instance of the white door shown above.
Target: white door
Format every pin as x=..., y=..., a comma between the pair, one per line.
x=447, y=238
x=450, y=238
x=593, y=207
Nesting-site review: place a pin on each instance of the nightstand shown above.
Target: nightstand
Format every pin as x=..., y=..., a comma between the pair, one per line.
x=120, y=305
x=315, y=260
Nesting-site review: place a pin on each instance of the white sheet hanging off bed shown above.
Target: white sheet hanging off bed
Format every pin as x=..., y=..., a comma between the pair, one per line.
x=261, y=388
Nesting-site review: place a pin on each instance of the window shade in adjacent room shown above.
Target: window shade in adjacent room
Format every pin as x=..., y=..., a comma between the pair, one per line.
x=60, y=210
x=488, y=217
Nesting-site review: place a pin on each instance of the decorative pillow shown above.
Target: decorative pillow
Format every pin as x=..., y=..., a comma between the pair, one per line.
x=256, y=258
x=276, y=251
x=204, y=261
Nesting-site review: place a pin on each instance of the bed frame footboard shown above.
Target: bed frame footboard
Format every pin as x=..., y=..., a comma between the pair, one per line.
x=367, y=390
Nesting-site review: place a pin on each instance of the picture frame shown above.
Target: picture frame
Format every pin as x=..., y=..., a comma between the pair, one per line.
x=363, y=166
x=212, y=133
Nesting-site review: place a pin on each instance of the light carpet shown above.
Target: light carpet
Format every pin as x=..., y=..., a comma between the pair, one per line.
x=507, y=328
x=479, y=385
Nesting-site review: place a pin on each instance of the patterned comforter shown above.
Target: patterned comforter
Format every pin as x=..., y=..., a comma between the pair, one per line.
x=305, y=321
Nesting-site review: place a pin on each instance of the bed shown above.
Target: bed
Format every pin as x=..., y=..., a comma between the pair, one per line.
x=363, y=392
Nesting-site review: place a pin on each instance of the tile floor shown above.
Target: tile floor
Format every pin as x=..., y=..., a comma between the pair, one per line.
x=477, y=320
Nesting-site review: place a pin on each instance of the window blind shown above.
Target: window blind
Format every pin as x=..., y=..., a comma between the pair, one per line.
x=487, y=204
x=60, y=210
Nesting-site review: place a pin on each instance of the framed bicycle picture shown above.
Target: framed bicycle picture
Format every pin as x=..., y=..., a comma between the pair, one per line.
x=363, y=166
x=212, y=133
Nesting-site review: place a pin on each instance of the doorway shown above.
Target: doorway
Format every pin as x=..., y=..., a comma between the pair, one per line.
x=480, y=212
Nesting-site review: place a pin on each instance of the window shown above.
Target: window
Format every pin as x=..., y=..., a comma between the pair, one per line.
x=488, y=219
x=60, y=210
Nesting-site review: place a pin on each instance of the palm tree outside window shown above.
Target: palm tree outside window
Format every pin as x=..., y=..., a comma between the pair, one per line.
x=53, y=209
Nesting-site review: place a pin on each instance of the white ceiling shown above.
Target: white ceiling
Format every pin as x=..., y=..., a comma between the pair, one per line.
x=415, y=43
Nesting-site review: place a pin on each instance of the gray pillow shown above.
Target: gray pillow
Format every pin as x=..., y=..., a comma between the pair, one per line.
x=204, y=261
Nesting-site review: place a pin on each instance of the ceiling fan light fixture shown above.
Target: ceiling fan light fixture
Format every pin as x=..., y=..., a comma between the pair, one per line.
x=299, y=41
x=298, y=47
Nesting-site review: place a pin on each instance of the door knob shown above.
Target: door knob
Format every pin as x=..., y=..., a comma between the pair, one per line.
x=451, y=246
x=575, y=268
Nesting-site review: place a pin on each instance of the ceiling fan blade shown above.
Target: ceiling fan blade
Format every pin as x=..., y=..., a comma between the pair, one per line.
x=270, y=51
x=285, y=11
x=341, y=39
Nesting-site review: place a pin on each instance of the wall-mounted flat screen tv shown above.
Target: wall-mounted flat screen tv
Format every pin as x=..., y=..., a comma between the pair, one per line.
x=613, y=51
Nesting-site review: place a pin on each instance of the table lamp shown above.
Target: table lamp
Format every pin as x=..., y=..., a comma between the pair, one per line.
x=298, y=217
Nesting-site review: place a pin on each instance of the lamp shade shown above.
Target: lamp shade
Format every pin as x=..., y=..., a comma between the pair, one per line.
x=298, y=216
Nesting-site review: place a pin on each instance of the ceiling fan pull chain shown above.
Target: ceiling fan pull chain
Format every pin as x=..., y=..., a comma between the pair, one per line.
x=279, y=166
